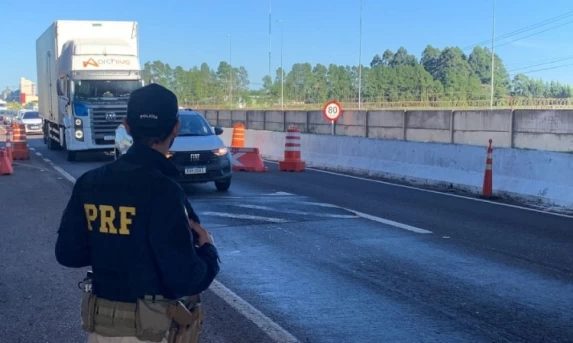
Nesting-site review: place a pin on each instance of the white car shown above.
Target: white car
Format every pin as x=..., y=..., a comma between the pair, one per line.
x=32, y=122
x=198, y=151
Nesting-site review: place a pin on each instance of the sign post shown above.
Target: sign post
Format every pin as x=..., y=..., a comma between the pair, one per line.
x=332, y=111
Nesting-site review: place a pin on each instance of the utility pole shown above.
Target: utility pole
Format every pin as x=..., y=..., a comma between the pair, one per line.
x=270, y=35
x=360, y=62
x=282, y=70
x=492, y=55
x=230, y=69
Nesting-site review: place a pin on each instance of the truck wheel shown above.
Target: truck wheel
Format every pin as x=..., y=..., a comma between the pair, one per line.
x=52, y=144
x=223, y=186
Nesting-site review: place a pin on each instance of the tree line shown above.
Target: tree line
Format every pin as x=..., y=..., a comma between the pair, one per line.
x=439, y=75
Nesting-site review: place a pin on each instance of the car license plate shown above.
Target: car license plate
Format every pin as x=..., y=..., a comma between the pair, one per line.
x=108, y=138
x=34, y=127
x=195, y=170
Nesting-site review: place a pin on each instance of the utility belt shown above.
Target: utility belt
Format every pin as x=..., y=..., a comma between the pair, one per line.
x=152, y=318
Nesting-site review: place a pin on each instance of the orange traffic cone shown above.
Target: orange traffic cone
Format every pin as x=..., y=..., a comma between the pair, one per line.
x=238, y=136
x=5, y=164
x=20, y=144
x=488, y=175
x=292, y=161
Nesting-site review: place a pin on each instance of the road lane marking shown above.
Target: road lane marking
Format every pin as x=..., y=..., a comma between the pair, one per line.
x=356, y=215
x=388, y=222
x=327, y=215
x=281, y=193
x=438, y=192
x=322, y=204
x=267, y=325
x=244, y=216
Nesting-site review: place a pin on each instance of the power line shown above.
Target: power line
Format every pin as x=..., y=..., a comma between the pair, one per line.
x=550, y=68
x=527, y=28
x=524, y=29
x=536, y=33
x=534, y=61
x=541, y=64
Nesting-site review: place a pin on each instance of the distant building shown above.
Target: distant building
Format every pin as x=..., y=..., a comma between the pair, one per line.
x=26, y=94
x=27, y=87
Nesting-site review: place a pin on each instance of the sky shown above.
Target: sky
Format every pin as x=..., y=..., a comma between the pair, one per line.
x=190, y=32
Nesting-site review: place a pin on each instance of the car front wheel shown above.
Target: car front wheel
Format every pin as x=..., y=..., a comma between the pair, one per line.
x=223, y=186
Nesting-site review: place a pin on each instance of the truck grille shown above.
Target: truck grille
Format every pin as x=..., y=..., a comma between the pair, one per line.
x=102, y=126
x=184, y=158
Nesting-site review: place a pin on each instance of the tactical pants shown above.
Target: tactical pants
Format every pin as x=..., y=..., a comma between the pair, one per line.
x=95, y=338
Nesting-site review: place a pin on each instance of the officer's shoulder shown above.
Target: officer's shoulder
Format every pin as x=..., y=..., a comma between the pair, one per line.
x=164, y=184
x=87, y=177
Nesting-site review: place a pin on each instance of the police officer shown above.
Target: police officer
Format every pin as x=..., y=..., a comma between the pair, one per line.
x=134, y=226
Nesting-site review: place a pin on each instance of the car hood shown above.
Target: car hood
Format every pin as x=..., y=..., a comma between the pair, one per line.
x=32, y=121
x=197, y=143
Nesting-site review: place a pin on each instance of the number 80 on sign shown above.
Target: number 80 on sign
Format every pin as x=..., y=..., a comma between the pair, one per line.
x=332, y=110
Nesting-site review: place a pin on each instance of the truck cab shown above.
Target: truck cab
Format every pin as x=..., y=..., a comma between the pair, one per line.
x=93, y=91
x=85, y=79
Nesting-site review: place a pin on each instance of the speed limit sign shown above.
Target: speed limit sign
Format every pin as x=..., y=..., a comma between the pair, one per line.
x=332, y=110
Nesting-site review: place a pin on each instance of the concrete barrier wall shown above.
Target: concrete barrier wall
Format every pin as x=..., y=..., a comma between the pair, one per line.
x=550, y=130
x=531, y=175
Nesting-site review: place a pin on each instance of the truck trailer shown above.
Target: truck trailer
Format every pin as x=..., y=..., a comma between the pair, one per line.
x=86, y=72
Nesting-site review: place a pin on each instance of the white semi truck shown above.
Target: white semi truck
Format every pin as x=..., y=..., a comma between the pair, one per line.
x=86, y=72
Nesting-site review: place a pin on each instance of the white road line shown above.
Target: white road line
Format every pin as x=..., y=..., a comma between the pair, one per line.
x=267, y=325
x=272, y=329
x=32, y=149
x=243, y=216
x=327, y=215
x=356, y=214
x=47, y=160
x=322, y=204
x=281, y=193
x=39, y=154
x=64, y=173
x=438, y=192
x=388, y=222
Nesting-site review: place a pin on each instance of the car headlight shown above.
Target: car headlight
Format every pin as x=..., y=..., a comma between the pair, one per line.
x=221, y=151
x=79, y=134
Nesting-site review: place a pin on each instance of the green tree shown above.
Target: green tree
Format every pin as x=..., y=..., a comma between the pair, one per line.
x=439, y=75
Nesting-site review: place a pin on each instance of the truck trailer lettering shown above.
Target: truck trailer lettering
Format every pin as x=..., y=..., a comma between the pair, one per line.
x=109, y=61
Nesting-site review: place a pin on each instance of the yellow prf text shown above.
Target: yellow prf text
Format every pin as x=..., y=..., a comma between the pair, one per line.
x=107, y=215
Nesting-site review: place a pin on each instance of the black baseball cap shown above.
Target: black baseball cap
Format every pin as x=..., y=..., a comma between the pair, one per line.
x=152, y=110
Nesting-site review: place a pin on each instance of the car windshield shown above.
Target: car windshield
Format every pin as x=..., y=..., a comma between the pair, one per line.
x=194, y=125
x=31, y=115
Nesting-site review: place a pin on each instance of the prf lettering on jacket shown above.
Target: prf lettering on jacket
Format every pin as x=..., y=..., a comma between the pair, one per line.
x=107, y=215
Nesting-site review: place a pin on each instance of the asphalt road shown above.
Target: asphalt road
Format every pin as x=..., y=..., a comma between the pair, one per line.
x=445, y=269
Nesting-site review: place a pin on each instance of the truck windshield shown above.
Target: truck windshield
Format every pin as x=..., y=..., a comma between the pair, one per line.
x=85, y=89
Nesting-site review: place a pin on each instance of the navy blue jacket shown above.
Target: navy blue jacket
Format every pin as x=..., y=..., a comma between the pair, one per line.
x=129, y=220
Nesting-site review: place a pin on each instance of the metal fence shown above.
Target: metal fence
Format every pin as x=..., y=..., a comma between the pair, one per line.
x=352, y=104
